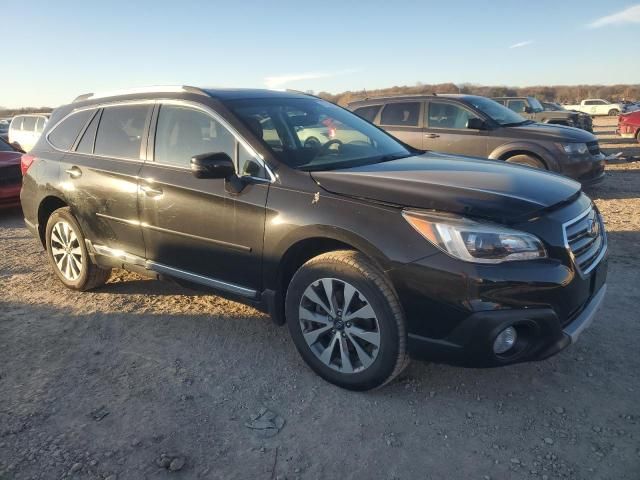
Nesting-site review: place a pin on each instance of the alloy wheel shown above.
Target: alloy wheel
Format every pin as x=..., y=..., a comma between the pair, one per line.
x=66, y=251
x=339, y=325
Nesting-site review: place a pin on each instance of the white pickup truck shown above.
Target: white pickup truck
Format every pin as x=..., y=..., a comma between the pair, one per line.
x=597, y=106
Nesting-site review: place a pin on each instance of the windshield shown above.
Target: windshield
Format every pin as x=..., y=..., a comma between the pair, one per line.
x=535, y=105
x=312, y=134
x=499, y=113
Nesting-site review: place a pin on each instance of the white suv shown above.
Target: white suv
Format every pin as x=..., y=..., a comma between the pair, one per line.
x=25, y=130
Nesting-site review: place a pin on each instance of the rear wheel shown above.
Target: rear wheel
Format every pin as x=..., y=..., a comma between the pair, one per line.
x=68, y=253
x=346, y=321
x=614, y=112
x=527, y=160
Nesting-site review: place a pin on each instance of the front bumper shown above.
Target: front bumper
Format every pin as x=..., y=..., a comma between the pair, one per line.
x=587, y=169
x=540, y=336
x=10, y=196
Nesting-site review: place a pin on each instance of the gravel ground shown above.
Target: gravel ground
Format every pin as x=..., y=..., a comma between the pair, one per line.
x=140, y=379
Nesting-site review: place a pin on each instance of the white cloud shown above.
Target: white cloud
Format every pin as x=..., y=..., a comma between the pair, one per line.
x=630, y=15
x=521, y=44
x=278, y=81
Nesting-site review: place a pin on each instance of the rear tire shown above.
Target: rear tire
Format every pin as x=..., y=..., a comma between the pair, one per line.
x=614, y=112
x=346, y=321
x=527, y=161
x=68, y=255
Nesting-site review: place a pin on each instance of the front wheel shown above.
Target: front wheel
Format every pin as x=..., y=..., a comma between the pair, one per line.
x=614, y=112
x=68, y=253
x=527, y=160
x=346, y=321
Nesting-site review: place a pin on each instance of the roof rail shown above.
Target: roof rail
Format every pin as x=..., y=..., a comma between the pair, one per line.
x=151, y=89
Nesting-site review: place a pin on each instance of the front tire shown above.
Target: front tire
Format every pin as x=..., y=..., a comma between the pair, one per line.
x=346, y=321
x=527, y=161
x=614, y=112
x=68, y=255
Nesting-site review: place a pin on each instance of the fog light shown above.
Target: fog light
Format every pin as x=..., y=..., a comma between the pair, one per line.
x=505, y=340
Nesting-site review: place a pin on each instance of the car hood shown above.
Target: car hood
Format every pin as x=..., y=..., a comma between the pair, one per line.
x=9, y=158
x=461, y=185
x=550, y=132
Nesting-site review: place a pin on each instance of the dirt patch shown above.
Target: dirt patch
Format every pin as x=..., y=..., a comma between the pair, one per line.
x=141, y=379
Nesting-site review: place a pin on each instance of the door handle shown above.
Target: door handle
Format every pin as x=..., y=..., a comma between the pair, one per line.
x=74, y=172
x=151, y=191
x=431, y=135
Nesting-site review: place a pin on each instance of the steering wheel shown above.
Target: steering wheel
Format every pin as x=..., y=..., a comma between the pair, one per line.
x=324, y=149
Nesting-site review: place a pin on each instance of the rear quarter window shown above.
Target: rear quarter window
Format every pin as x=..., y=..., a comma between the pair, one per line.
x=65, y=133
x=368, y=113
x=29, y=124
x=16, y=123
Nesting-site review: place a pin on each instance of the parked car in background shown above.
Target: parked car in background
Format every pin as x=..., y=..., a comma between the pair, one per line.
x=480, y=127
x=369, y=250
x=597, y=106
x=10, y=176
x=584, y=119
x=629, y=125
x=25, y=130
x=4, y=129
x=531, y=108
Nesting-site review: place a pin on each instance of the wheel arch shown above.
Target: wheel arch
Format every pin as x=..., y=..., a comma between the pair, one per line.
x=507, y=151
x=47, y=206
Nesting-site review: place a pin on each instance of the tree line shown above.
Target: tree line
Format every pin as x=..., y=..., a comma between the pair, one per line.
x=567, y=94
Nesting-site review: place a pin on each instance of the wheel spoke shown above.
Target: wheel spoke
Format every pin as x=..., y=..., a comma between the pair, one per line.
x=56, y=236
x=328, y=352
x=313, y=296
x=312, y=336
x=77, y=266
x=57, y=251
x=349, y=291
x=364, y=357
x=347, y=367
x=327, y=284
x=370, y=337
x=77, y=251
x=313, y=317
x=364, y=312
x=60, y=261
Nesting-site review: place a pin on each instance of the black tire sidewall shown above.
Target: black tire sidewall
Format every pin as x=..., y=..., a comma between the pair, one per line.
x=66, y=215
x=541, y=164
x=384, y=364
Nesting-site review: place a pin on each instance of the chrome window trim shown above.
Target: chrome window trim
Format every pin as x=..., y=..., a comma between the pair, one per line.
x=603, y=250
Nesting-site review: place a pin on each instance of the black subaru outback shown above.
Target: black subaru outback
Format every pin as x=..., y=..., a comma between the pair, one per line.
x=371, y=251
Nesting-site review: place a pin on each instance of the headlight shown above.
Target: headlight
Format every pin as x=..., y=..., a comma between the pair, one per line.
x=573, y=148
x=473, y=241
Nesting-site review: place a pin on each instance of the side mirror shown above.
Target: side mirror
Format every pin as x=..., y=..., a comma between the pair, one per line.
x=476, y=124
x=212, y=165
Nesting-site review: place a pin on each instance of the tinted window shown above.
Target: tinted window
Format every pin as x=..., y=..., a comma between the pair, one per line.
x=183, y=132
x=517, y=105
x=120, y=131
x=65, y=133
x=401, y=114
x=448, y=115
x=89, y=136
x=16, y=123
x=501, y=102
x=368, y=113
x=39, y=125
x=248, y=165
x=29, y=124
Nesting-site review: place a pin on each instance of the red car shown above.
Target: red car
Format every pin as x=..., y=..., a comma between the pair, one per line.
x=629, y=125
x=10, y=175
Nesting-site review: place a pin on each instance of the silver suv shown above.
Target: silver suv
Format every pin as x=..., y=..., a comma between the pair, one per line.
x=480, y=127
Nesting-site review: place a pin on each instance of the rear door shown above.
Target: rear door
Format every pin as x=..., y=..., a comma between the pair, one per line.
x=198, y=229
x=403, y=120
x=446, y=129
x=101, y=174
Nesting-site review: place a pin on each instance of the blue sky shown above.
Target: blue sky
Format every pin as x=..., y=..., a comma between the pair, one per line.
x=55, y=50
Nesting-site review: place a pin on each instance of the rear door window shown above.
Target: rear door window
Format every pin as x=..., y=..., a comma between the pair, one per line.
x=517, y=106
x=405, y=114
x=29, y=124
x=121, y=130
x=368, y=113
x=39, y=125
x=65, y=133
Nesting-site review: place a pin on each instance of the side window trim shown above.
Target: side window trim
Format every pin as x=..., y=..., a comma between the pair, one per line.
x=240, y=141
x=83, y=130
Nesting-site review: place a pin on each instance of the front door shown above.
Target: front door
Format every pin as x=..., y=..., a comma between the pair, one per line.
x=446, y=130
x=199, y=229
